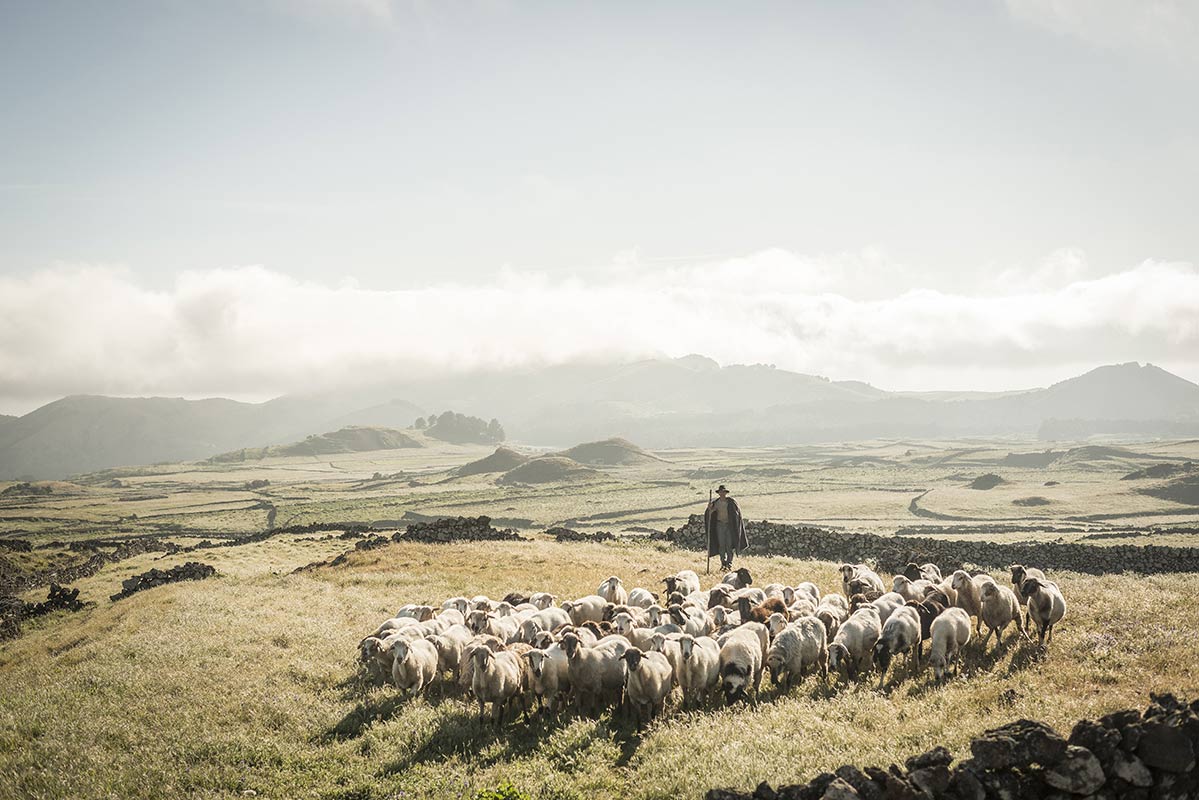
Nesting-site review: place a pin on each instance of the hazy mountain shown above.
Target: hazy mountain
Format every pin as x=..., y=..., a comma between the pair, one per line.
x=351, y=439
x=657, y=403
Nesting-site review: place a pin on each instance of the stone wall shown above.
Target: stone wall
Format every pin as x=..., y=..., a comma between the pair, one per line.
x=456, y=529
x=891, y=553
x=1126, y=754
x=13, y=610
x=191, y=571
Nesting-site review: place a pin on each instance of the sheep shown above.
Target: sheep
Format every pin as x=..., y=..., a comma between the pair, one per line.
x=950, y=633
x=466, y=663
x=720, y=595
x=497, y=680
x=418, y=612
x=868, y=577
x=596, y=673
x=738, y=578
x=685, y=581
x=741, y=661
x=832, y=611
x=549, y=670
x=901, y=634
x=699, y=673
x=776, y=624
x=776, y=590
x=543, y=600
x=808, y=588
x=801, y=645
x=585, y=609
x=515, y=598
x=928, y=611
x=481, y=602
x=648, y=681
x=394, y=624
x=452, y=615
x=865, y=586
x=640, y=616
x=641, y=598
x=1046, y=606
x=668, y=645
x=545, y=620
x=482, y=622
x=887, y=603
x=691, y=620
x=642, y=637
x=967, y=588
x=852, y=649
x=613, y=591
x=909, y=589
x=449, y=646
x=804, y=606
x=939, y=594
x=760, y=613
x=755, y=596
x=928, y=572
x=414, y=664
x=999, y=609
x=720, y=617
x=460, y=604
x=1021, y=573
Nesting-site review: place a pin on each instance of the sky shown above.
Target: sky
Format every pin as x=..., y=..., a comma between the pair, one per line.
x=250, y=197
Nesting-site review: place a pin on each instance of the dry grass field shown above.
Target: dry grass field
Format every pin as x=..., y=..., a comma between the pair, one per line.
x=247, y=682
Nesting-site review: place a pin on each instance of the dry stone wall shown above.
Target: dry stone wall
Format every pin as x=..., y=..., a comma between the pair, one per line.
x=891, y=553
x=1124, y=755
x=191, y=571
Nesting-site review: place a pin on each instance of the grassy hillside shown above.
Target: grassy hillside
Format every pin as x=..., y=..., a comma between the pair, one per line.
x=247, y=683
x=351, y=439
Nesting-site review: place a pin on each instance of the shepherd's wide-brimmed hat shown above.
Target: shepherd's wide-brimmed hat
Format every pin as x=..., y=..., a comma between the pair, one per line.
x=721, y=488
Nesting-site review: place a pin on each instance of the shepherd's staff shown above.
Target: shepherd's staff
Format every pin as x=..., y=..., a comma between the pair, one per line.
x=708, y=569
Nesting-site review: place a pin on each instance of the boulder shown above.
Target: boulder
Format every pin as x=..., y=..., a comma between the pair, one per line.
x=1078, y=772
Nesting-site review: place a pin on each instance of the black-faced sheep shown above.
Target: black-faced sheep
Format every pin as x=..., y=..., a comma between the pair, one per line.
x=901, y=634
x=738, y=578
x=852, y=650
x=1046, y=606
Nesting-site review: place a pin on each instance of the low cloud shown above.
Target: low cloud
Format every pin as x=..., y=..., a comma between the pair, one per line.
x=254, y=332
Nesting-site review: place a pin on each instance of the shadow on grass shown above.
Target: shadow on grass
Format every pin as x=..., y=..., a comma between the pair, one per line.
x=376, y=703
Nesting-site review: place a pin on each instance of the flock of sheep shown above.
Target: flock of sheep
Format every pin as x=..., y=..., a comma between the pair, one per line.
x=624, y=648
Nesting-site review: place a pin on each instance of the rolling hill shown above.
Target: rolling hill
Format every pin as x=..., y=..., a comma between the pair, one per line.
x=659, y=403
x=351, y=439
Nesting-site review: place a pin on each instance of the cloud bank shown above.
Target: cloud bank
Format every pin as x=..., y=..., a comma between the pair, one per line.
x=254, y=332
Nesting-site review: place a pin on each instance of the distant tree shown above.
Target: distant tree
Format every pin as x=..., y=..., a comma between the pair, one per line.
x=420, y=424
x=451, y=426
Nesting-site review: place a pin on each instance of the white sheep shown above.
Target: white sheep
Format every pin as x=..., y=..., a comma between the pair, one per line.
x=968, y=590
x=418, y=612
x=801, y=645
x=497, y=679
x=832, y=612
x=863, y=574
x=777, y=590
x=1046, y=606
x=1020, y=573
x=459, y=604
x=543, y=600
x=641, y=598
x=1000, y=608
x=414, y=664
x=613, y=591
x=449, y=646
x=668, y=645
x=466, y=662
x=394, y=624
x=741, y=663
x=691, y=620
x=950, y=633
x=586, y=609
x=545, y=620
x=549, y=669
x=648, y=680
x=684, y=581
x=700, y=670
x=909, y=589
x=901, y=634
x=929, y=572
x=852, y=650
x=596, y=673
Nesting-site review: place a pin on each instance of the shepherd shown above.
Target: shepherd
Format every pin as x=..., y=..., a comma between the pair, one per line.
x=725, y=527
